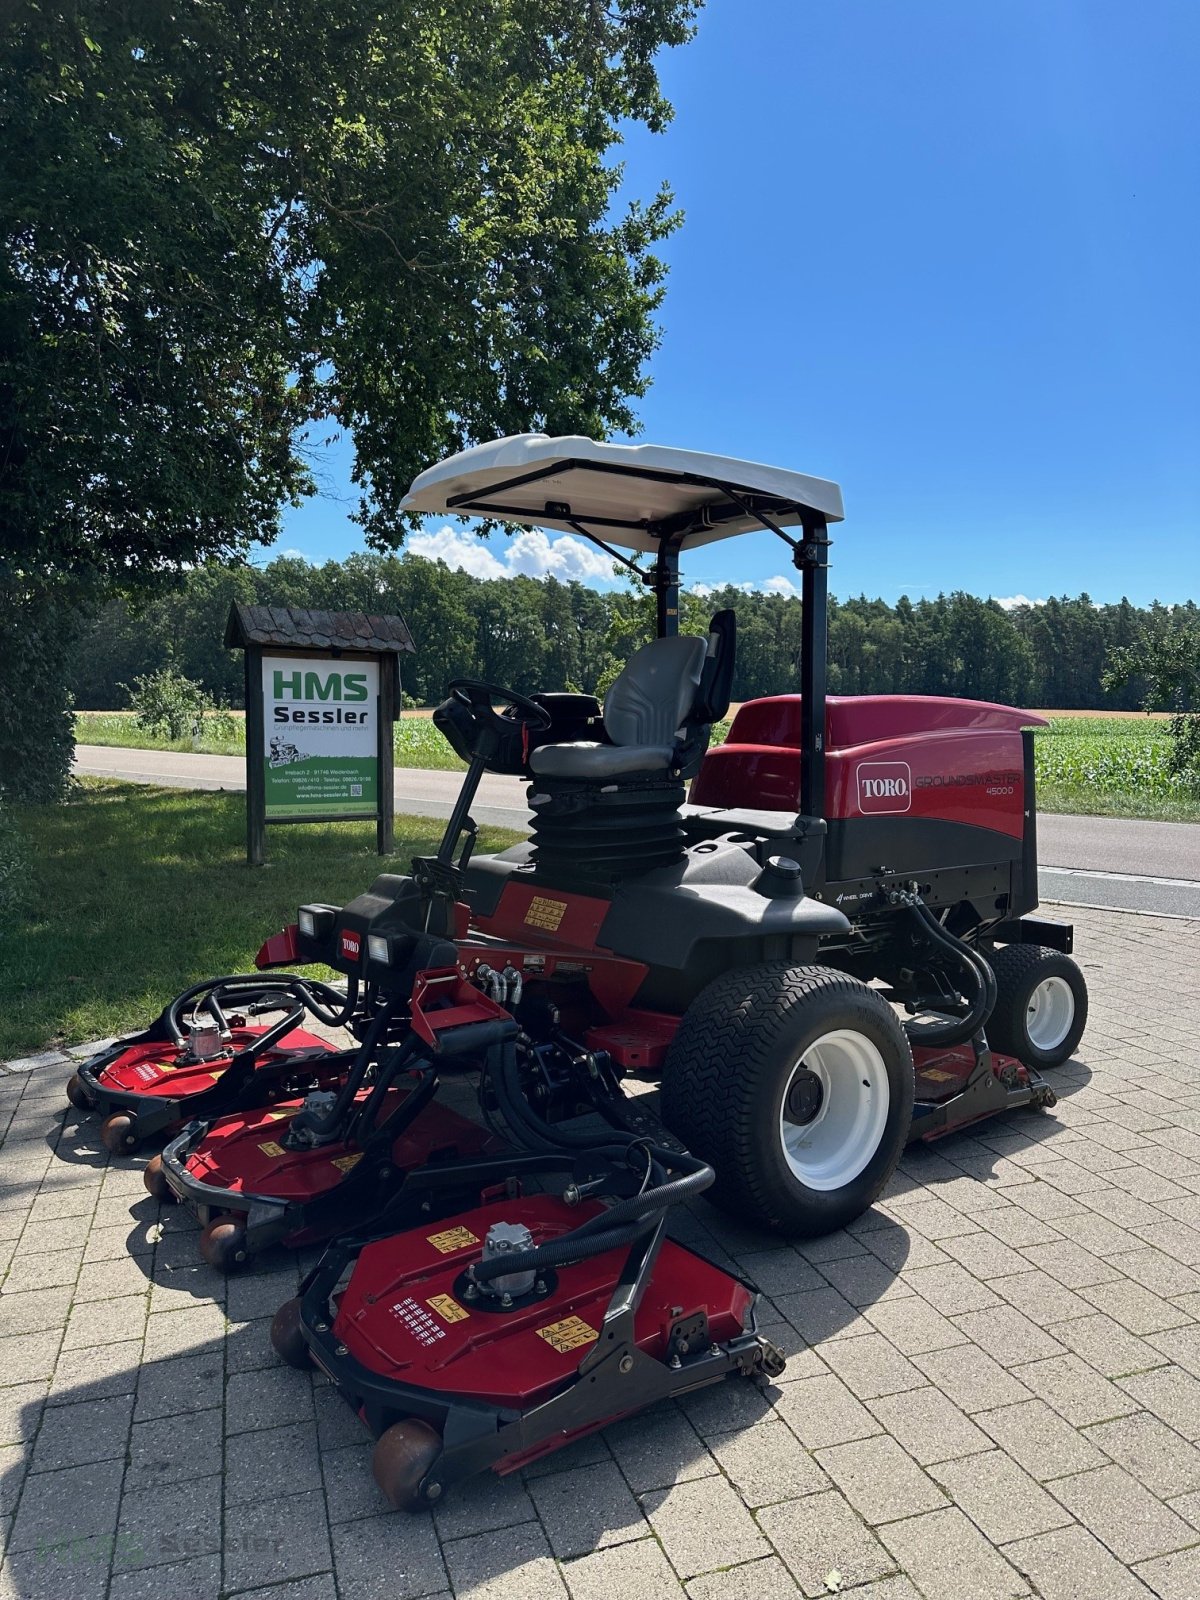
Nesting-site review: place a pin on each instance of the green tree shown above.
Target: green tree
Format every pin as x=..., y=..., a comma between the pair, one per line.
x=226, y=222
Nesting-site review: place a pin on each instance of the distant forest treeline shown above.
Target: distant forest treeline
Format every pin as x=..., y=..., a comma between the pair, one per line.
x=532, y=634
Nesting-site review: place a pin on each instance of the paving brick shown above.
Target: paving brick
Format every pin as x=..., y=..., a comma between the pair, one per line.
x=1041, y=1298
x=897, y=1247
x=767, y=1464
x=1135, y=1308
x=870, y=1366
x=1097, y=1234
x=74, y=1567
x=932, y=1218
x=725, y=1407
x=999, y=1496
x=879, y=1480
x=864, y=1280
x=491, y=1566
x=822, y=1411
x=34, y=1311
x=1123, y=1515
x=1073, y=1565
x=72, y=1504
x=287, y=1537
x=1015, y=1227
x=1108, y=1347
x=1171, y=1395
x=638, y=1569
x=478, y=1505
x=984, y=1256
x=951, y=1290
x=661, y=1447
x=267, y=1399
x=109, y=1280
x=21, y=1407
x=319, y=1587
x=1174, y=1238
x=972, y=1380
x=949, y=1559
x=587, y=1509
x=1039, y=1440
x=106, y=1322
x=703, y=1525
x=92, y=1430
x=913, y=1326
x=33, y=1270
x=820, y=1535
x=767, y=1579
x=1152, y=1452
x=1008, y=1335
x=1174, y=1577
x=1070, y=1264
x=819, y=1314
x=1159, y=1272
x=1075, y=1390
x=928, y=1425
x=778, y=1272
x=180, y=1385
x=169, y=1523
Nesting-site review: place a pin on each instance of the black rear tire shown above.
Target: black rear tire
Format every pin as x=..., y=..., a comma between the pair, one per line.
x=1029, y=977
x=735, y=1062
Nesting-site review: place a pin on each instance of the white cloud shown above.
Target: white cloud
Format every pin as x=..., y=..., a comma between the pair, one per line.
x=1010, y=602
x=776, y=585
x=532, y=553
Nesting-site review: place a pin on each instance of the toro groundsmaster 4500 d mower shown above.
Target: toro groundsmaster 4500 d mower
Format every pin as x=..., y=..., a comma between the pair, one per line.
x=204, y=1054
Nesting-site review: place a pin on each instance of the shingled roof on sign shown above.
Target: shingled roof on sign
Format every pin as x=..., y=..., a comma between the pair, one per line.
x=290, y=628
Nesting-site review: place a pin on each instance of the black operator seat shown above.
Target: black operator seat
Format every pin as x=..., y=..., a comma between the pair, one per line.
x=671, y=689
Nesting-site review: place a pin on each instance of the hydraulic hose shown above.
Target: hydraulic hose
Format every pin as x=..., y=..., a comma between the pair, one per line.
x=981, y=991
x=565, y=1252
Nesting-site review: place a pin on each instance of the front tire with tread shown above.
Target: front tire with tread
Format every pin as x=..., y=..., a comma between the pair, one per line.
x=1020, y=969
x=729, y=1068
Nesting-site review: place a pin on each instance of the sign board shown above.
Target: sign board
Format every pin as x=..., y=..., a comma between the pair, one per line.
x=320, y=736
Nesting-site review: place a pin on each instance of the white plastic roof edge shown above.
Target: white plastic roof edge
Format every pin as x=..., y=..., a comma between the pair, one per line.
x=630, y=485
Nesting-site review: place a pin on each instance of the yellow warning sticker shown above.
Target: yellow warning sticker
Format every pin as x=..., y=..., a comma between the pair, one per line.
x=344, y=1163
x=271, y=1148
x=278, y=1116
x=936, y=1075
x=451, y=1239
x=570, y=1334
x=446, y=1306
x=545, y=913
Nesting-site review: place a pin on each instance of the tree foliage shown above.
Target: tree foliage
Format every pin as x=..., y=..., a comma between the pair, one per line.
x=532, y=634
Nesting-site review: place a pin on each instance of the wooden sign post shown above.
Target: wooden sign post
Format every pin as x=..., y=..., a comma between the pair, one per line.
x=322, y=694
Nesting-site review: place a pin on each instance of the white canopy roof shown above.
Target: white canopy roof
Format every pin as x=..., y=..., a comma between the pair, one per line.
x=630, y=495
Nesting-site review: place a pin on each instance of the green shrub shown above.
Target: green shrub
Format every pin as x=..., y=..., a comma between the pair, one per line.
x=1183, y=758
x=14, y=867
x=167, y=703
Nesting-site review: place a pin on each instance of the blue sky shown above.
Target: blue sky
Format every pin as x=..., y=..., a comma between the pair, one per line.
x=946, y=253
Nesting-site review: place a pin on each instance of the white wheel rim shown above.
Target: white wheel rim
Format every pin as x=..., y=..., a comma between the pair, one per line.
x=831, y=1150
x=1050, y=1013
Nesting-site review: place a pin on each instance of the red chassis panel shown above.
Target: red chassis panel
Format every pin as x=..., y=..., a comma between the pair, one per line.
x=159, y=1068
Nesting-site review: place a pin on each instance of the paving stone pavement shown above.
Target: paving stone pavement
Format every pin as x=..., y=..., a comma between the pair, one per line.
x=993, y=1387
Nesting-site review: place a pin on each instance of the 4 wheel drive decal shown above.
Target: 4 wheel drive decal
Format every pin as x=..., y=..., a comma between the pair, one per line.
x=883, y=786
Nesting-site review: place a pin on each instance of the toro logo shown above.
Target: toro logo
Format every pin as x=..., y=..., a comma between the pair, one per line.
x=884, y=786
x=351, y=946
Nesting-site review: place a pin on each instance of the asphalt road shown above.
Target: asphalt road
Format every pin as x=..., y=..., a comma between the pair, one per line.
x=1110, y=862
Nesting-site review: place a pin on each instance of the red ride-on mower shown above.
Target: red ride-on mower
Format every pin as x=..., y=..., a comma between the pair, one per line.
x=533, y=1320
x=747, y=945
x=205, y=1055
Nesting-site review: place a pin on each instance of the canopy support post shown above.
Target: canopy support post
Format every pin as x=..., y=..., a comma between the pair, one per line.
x=812, y=558
x=665, y=577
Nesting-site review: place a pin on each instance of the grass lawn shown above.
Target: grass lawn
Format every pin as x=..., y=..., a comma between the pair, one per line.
x=138, y=892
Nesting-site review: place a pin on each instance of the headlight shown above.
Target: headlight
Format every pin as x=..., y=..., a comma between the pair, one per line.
x=315, y=922
x=307, y=923
x=377, y=948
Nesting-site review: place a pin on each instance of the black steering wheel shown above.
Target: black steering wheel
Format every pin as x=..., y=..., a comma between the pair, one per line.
x=479, y=697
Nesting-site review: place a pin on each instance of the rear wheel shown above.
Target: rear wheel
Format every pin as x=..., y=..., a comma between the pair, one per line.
x=403, y=1456
x=1041, y=1006
x=796, y=1084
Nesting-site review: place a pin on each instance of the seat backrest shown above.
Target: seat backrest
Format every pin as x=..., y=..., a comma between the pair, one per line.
x=716, y=681
x=651, y=699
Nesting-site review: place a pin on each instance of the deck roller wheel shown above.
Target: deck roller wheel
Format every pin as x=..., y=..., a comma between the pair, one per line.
x=77, y=1094
x=155, y=1180
x=223, y=1243
x=287, y=1340
x=117, y=1135
x=404, y=1455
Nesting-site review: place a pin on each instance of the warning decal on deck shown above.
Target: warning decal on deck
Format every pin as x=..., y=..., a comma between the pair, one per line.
x=546, y=914
x=271, y=1148
x=569, y=1334
x=446, y=1306
x=451, y=1239
x=344, y=1163
x=936, y=1075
